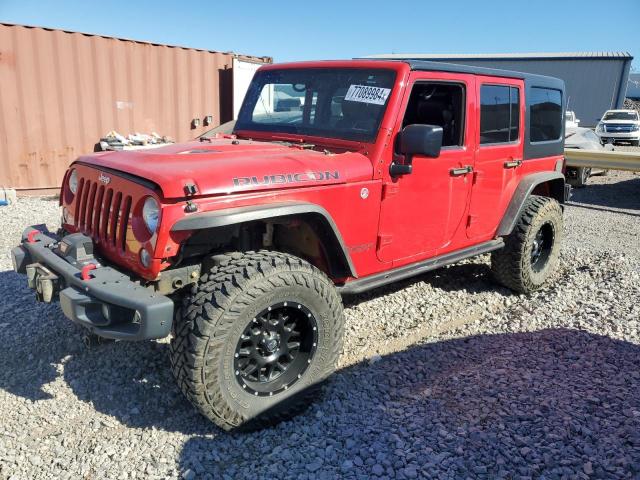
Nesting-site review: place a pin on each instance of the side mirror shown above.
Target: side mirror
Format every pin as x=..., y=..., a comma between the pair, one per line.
x=421, y=140
x=417, y=139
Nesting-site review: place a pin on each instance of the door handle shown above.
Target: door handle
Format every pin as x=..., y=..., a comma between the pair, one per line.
x=513, y=164
x=456, y=172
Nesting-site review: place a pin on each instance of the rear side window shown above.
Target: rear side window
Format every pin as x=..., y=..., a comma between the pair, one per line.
x=545, y=110
x=499, y=114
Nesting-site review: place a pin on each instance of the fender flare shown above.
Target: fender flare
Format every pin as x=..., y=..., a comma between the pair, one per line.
x=237, y=215
x=524, y=189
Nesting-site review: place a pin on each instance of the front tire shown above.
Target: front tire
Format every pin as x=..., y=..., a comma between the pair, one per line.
x=256, y=338
x=531, y=251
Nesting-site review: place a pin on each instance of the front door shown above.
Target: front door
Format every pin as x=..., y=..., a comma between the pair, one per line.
x=421, y=211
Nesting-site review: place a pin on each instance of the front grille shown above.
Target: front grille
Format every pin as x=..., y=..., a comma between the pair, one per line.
x=102, y=213
x=619, y=128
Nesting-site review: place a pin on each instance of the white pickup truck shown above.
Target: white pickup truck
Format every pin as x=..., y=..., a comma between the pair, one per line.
x=570, y=119
x=619, y=126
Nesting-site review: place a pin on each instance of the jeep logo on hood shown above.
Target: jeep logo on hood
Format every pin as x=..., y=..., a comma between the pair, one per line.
x=281, y=178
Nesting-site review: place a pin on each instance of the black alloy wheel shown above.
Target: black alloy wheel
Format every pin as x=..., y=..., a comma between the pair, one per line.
x=276, y=348
x=541, y=246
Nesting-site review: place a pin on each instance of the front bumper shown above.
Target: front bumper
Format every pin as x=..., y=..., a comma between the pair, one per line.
x=100, y=298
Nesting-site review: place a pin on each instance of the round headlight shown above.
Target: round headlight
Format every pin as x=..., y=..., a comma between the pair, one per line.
x=151, y=214
x=73, y=181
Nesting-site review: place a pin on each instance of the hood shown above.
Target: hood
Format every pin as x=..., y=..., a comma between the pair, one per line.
x=225, y=166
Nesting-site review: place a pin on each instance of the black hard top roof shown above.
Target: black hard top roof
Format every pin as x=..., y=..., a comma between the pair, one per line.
x=529, y=78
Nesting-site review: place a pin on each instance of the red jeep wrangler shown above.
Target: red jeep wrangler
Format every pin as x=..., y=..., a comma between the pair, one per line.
x=340, y=177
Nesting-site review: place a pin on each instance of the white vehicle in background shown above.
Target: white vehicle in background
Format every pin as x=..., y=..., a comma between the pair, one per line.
x=619, y=126
x=570, y=119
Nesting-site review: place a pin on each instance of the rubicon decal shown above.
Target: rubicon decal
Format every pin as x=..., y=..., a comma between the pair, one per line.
x=281, y=178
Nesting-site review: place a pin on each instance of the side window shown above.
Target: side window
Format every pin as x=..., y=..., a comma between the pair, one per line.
x=545, y=107
x=499, y=114
x=440, y=104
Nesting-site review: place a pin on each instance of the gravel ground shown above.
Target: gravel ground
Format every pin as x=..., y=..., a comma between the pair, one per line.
x=443, y=376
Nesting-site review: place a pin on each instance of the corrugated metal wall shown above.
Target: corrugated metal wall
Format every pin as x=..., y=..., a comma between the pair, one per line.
x=61, y=91
x=633, y=86
x=593, y=85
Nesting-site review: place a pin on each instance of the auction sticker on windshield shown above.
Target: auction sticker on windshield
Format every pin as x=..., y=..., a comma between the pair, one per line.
x=365, y=94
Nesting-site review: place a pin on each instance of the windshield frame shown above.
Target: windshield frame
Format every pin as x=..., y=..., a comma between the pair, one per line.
x=246, y=125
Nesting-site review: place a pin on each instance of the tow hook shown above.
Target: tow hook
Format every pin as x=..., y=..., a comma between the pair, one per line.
x=31, y=236
x=84, y=273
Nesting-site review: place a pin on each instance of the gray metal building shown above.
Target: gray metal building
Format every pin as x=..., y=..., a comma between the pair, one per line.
x=633, y=87
x=595, y=81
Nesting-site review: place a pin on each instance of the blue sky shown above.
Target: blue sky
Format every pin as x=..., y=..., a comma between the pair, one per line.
x=305, y=30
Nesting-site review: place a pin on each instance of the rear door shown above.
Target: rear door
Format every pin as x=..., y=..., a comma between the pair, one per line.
x=499, y=152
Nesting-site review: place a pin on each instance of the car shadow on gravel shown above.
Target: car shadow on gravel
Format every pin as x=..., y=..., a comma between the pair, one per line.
x=131, y=382
x=623, y=195
x=553, y=403
x=34, y=338
x=471, y=276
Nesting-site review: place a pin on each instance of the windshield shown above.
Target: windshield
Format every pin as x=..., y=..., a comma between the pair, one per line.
x=344, y=103
x=620, y=116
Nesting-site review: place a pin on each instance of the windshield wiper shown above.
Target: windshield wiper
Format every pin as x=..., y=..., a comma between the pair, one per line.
x=285, y=138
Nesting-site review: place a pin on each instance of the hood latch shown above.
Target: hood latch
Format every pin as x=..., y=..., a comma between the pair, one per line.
x=190, y=189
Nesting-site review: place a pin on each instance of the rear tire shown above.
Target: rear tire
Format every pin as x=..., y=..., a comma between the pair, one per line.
x=232, y=343
x=582, y=176
x=531, y=251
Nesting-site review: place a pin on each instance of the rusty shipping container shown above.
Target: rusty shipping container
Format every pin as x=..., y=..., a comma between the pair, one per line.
x=60, y=92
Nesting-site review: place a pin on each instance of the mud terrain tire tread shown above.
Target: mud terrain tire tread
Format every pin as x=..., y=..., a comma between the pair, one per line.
x=511, y=265
x=217, y=303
